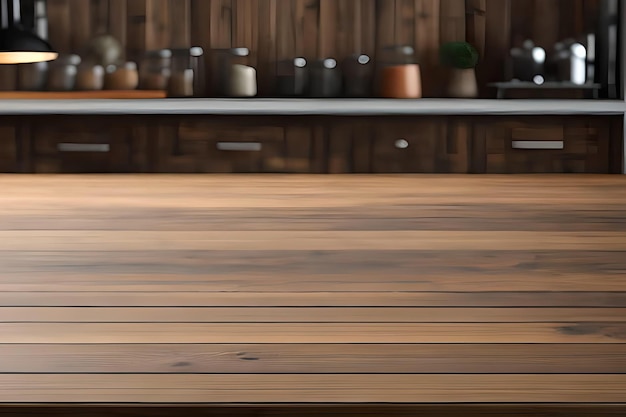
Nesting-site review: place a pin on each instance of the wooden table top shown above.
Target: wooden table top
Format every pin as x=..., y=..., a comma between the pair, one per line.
x=313, y=289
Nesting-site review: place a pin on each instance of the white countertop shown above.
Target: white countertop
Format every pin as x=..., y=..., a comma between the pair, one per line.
x=289, y=107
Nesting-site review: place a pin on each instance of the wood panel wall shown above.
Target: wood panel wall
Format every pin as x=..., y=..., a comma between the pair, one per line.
x=283, y=29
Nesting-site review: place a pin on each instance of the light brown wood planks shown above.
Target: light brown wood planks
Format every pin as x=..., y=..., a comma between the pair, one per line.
x=318, y=289
x=314, y=358
x=312, y=388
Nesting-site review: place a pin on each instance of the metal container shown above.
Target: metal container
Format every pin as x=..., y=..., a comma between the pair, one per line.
x=32, y=77
x=292, y=77
x=62, y=73
x=358, y=76
x=187, y=77
x=325, y=79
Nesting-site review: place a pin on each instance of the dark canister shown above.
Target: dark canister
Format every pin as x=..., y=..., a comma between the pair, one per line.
x=292, y=77
x=358, y=76
x=325, y=79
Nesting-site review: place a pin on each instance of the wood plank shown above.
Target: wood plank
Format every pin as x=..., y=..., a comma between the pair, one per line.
x=245, y=191
x=427, y=42
x=39, y=280
x=267, y=45
x=200, y=35
x=311, y=410
x=546, y=22
x=309, y=315
x=368, y=30
x=136, y=15
x=385, y=24
x=313, y=333
x=329, y=44
x=82, y=95
x=498, y=42
x=100, y=17
x=309, y=12
x=287, y=24
x=450, y=217
x=158, y=24
x=118, y=20
x=58, y=35
x=220, y=24
x=452, y=21
x=222, y=389
x=404, y=22
x=81, y=241
x=310, y=299
x=314, y=358
x=180, y=23
x=80, y=16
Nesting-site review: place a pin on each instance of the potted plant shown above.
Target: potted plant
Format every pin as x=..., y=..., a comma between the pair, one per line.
x=461, y=58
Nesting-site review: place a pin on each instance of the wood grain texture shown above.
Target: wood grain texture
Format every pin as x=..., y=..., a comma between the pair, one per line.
x=125, y=298
x=308, y=315
x=219, y=388
x=314, y=358
x=311, y=410
x=312, y=333
x=334, y=289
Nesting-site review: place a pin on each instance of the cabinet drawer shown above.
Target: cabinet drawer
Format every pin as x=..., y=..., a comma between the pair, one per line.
x=435, y=146
x=236, y=147
x=550, y=146
x=81, y=146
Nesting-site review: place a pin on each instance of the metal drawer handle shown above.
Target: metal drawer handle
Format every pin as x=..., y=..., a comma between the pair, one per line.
x=402, y=144
x=84, y=147
x=538, y=144
x=240, y=146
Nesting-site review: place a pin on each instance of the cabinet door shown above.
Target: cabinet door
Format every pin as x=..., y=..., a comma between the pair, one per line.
x=438, y=145
x=538, y=145
x=350, y=146
x=237, y=146
x=8, y=148
x=81, y=145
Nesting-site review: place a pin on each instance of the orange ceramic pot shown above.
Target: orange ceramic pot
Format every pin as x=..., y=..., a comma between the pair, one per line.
x=401, y=81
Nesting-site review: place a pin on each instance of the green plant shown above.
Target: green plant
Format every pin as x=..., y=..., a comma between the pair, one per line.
x=460, y=55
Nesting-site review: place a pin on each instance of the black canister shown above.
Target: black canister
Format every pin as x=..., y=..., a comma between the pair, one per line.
x=292, y=77
x=325, y=79
x=358, y=76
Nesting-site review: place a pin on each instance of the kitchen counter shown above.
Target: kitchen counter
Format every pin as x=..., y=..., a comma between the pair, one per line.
x=314, y=289
x=296, y=107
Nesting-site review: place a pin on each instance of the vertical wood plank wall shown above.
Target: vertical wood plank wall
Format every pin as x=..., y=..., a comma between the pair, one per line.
x=284, y=29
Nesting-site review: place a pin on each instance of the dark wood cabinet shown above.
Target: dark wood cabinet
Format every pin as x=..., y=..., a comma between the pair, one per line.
x=400, y=145
x=421, y=146
x=72, y=145
x=241, y=145
x=8, y=148
x=308, y=144
x=535, y=145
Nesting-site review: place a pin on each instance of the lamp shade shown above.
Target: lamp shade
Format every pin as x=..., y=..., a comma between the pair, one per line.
x=18, y=46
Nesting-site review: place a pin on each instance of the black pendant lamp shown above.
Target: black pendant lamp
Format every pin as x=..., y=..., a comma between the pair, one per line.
x=18, y=45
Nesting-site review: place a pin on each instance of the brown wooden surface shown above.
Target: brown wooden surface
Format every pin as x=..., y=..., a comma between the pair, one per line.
x=369, y=410
x=69, y=95
x=310, y=289
x=285, y=29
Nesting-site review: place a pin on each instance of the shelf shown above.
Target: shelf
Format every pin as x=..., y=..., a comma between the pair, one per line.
x=295, y=107
x=82, y=95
